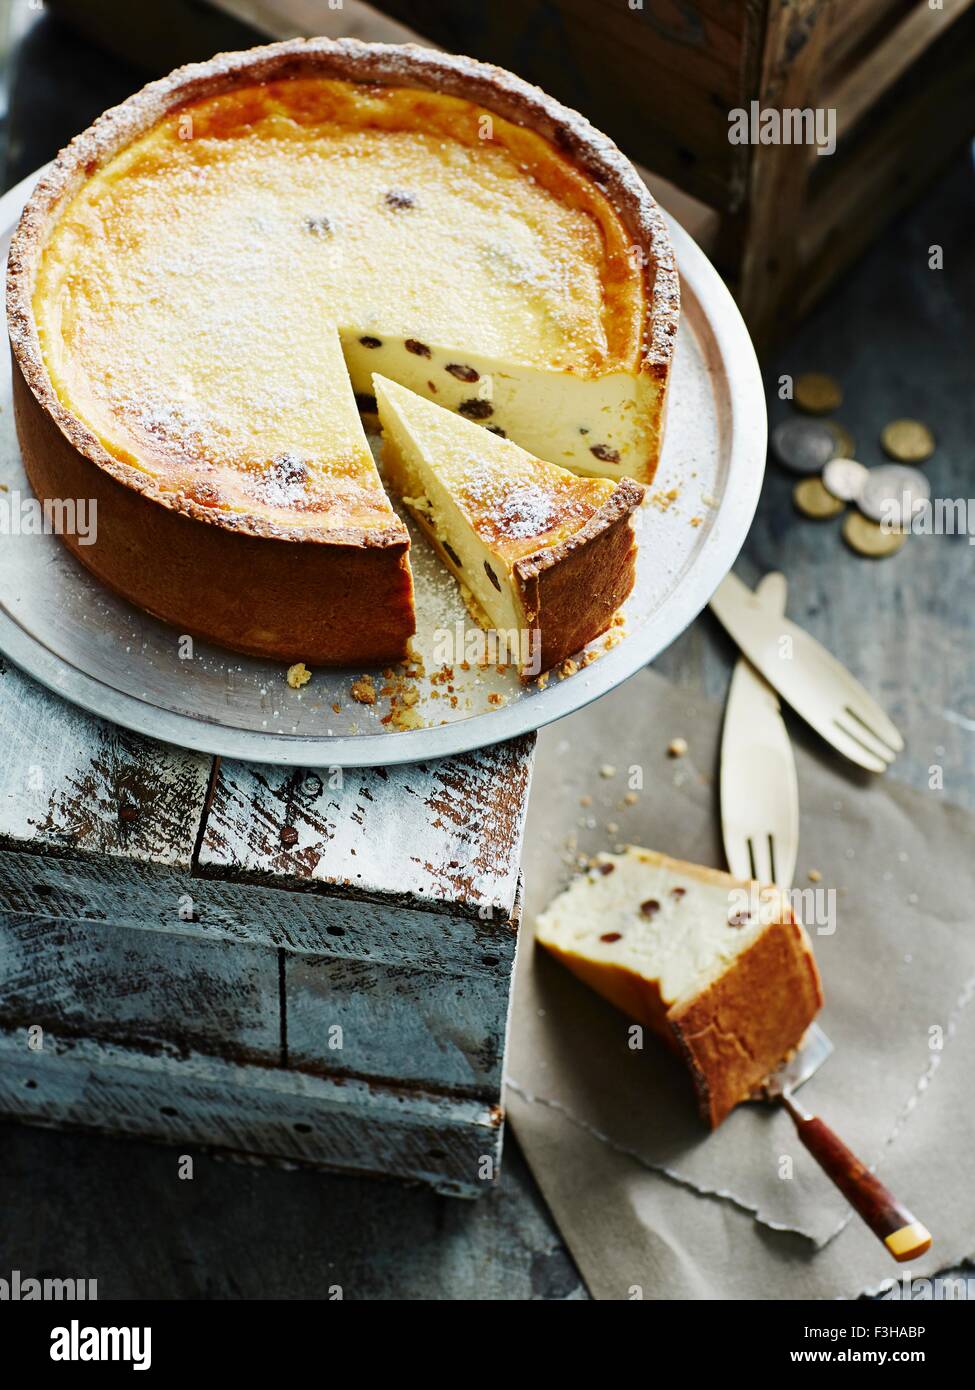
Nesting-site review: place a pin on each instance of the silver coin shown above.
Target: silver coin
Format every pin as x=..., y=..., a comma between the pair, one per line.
x=844, y=478
x=892, y=493
x=804, y=446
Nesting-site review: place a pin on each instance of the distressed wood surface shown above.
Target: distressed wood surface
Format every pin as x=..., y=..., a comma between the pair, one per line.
x=146, y=989
x=445, y=1030
x=156, y=898
x=445, y=834
x=452, y=1144
x=75, y=784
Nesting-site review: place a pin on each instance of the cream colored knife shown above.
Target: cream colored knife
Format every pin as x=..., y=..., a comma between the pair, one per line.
x=759, y=793
x=812, y=681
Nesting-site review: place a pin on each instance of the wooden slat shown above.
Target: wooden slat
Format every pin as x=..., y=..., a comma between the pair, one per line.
x=444, y=835
x=895, y=157
x=855, y=28
x=149, y=990
x=397, y=1023
x=72, y=782
x=779, y=173
x=450, y=1143
x=858, y=90
x=143, y=898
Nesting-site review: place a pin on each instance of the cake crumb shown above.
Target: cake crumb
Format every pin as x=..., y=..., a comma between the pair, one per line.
x=815, y=876
x=631, y=798
x=364, y=691
x=677, y=747
x=585, y=800
x=495, y=699
x=298, y=675
x=607, y=770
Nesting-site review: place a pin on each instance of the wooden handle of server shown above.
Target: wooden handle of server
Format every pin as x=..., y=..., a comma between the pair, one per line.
x=904, y=1236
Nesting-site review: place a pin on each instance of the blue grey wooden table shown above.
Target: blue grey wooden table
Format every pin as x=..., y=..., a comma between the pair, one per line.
x=894, y=333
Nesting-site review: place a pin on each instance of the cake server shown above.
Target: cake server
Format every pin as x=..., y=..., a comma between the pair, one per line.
x=904, y=1236
x=759, y=793
x=812, y=681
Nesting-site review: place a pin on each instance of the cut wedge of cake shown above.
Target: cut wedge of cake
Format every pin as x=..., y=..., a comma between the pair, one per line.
x=546, y=556
x=719, y=969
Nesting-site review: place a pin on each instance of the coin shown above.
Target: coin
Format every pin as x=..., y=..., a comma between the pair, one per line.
x=844, y=478
x=812, y=499
x=817, y=394
x=892, y=493
x=845, y=443
x=908, y=441
x=867, y=538
x=804, y=446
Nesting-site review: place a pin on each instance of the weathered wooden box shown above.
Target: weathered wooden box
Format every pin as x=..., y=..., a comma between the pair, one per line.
x=299, y=965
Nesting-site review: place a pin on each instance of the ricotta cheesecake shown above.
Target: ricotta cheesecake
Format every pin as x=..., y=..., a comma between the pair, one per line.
x=720, y=970
x=201, y=288
x=546, y=557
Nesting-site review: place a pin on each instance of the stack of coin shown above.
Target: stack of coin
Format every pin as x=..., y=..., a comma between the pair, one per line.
x=822, y=452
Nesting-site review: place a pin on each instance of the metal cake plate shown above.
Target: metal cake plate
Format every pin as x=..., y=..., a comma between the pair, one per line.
x=60, y=626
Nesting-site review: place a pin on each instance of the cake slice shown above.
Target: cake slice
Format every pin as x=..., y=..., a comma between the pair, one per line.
x=546, y=557
x=719, y=969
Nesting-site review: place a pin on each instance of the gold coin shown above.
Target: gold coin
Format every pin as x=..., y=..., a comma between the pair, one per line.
x=907, y=441
x=869, y=538
x=812, y=499
x=817, y=394
x=846, y=447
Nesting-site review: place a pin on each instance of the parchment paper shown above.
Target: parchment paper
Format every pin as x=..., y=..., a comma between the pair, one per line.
x=644, y=1195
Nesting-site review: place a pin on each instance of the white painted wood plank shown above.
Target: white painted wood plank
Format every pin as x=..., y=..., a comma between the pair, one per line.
x=72, y=781
x=445, y=834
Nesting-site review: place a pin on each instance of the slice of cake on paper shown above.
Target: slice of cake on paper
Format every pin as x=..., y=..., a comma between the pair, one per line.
x=546, y=556
x=719, y=969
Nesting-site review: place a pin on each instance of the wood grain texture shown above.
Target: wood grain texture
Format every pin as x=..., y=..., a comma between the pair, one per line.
x=443, y=1030
x=71, y=782
x=149, y=990
x=450, y=1144
x=155, y=898
x=444, y=835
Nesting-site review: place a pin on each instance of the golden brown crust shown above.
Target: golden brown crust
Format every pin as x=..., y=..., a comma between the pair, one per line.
x=738, y=1029
x=325, y=604
x=572, y=591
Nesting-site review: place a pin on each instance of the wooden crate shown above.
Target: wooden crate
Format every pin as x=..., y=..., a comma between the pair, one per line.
x=661, y=78
x=308, y=966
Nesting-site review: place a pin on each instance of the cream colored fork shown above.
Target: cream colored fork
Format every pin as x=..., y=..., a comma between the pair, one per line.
x=759, y=792
x=812, y=681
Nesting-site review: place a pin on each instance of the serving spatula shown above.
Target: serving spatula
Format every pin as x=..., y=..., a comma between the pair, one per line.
x=904, y=1236
x=814, y=683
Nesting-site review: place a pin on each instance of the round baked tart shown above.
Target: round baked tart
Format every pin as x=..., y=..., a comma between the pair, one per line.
x=201, y=289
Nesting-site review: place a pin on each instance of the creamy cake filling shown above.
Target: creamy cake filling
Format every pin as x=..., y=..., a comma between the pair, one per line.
x=485, y=501
x=635, y=912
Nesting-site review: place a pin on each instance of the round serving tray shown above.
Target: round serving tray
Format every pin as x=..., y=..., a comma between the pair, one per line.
x=59, y=625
